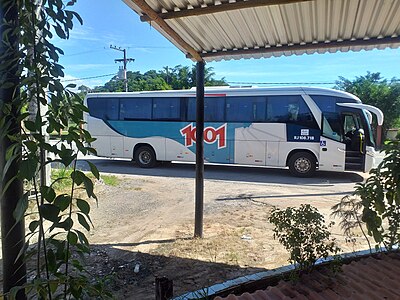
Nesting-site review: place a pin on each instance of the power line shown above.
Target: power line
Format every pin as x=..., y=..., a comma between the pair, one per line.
x=83, y=52
x=92, y=77
x=281, y=83
x=150, y=47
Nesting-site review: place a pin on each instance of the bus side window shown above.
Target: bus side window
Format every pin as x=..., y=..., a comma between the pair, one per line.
x=135, y=108
x=239, y=109
x=103, y=108
x=167, y=109
x=283, y=108
x=191, y=110
x=97, y=107
x=214, y=109
x=245, y=109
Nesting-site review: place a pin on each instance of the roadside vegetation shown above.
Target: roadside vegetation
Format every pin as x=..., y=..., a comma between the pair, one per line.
x=62, y=179
x=374, y=90
x=46, y=263
x=175, y=78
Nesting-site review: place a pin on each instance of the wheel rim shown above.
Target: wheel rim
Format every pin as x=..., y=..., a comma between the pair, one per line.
x=145, y=157
x=302, y=165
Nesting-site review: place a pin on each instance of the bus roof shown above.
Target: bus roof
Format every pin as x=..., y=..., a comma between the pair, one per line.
x=233, y=91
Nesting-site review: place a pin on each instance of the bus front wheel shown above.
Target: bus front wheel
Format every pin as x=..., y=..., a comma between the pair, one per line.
x=145, y=157
x=302, y=164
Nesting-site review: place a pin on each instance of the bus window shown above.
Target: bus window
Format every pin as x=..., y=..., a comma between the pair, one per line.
x=245, y=109
x=332, y=126
x=104, y=108
x=135, y=108
x=166, y=109
x=214, y=108
x=283, y=109
x=328, y=103
x=290, y=109
x=191, y=110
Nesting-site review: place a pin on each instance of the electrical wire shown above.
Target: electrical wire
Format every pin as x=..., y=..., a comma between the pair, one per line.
x=92, y=77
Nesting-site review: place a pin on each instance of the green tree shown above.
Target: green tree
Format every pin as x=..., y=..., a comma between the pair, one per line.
x=372, y=89
x=176, y=78
x=33, y=74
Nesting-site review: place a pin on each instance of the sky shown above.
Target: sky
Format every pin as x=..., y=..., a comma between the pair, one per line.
x=89, y=60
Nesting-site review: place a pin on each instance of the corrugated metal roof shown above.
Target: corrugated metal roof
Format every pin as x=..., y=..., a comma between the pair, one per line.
x=369, y=278
x=294, y=28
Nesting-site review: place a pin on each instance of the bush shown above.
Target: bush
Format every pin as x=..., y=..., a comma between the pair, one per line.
x=380, y=198
x=302, y=231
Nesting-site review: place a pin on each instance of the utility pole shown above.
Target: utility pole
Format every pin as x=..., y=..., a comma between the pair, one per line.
x=125, y=62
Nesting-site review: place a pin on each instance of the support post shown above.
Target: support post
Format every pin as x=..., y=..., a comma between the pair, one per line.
x=198, y=224
x=13, y=233
x=379, y=137
x=164, y=288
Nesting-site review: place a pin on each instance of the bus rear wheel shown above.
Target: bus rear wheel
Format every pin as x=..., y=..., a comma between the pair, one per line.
x=145, y=157
x=302, y=164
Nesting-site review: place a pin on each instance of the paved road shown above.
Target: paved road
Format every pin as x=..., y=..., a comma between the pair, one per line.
x=221, y=172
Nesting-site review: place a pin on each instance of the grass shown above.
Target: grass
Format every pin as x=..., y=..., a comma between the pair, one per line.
x=64, y=179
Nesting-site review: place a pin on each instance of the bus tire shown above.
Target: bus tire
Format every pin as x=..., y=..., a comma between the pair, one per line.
x=145, y=157
x=302, y=164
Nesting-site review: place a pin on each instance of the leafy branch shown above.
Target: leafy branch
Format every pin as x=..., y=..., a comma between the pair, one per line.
x=57, y=241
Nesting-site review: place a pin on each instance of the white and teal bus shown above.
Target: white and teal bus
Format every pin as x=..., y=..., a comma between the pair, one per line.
x=305, y=129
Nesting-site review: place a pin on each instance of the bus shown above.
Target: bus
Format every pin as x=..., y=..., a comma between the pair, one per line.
x=302, y=128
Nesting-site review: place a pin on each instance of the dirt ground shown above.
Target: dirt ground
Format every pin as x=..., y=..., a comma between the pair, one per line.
x=144, y=226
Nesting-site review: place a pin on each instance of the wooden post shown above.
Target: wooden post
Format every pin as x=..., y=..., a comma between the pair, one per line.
x=12, y=232
x=198, y=223
x=164, y=288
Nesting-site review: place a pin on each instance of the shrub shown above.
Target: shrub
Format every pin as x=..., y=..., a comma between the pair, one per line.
x=302, y=231
x=380, y=198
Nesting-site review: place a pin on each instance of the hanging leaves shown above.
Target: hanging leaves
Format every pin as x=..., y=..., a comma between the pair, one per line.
x=58, y=110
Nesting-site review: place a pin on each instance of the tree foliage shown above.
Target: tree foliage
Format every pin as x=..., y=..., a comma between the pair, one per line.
x=372, y=89
x=380, y=198
x=176, y=78
x=57, y=221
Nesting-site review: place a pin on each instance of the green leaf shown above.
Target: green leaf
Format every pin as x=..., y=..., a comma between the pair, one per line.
x=49, y=212
x=48, y=193
x=72, y=238
x=28, y=168
x=62, y=201
x=82, y=238
x=78, y=17
x=89, y=187
x=31, y=145
x=78, y=177
x=21, y=207
x=83, y=222
x=8, y=164
x=83, y=206
x=33, y=225
x=60, y=32
x=93, y=169
x=51, y=261
x=53, y=286
x=66, y=224
x=31, y=126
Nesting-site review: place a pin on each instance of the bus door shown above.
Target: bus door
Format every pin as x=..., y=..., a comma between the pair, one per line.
x=355, y=140
x=332, y=154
